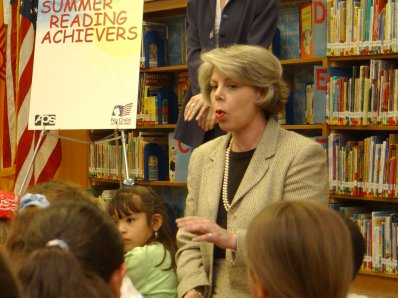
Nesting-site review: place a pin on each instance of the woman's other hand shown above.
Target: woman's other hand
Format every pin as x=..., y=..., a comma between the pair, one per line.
x=208, y=231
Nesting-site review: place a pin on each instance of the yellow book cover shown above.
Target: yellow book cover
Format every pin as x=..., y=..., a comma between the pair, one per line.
x=306, y=49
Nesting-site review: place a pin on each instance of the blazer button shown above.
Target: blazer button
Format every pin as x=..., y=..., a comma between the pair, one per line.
x=225, y=16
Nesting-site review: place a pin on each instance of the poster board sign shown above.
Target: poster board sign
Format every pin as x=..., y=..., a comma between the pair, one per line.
x=86, y=64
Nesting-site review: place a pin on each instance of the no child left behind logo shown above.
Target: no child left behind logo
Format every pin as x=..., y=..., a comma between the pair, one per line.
x=120, y=113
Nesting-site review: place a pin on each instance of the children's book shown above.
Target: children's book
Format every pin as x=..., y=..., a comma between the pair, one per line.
x=154, y=49
x=306, y=49
x=288, y=24
x=176, y=39
x=313, y=29
x=179, y=155
x=322, y=76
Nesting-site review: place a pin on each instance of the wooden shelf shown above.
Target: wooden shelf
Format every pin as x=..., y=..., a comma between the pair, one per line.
x=307, y=127
x=364, y=127
x=165, y=7
x=99, y=181
x=156, y=127
x=362, y=57
x=316, y=60
x=304, y=126
x=379, y=274
x=175, y=68
x=334, y=197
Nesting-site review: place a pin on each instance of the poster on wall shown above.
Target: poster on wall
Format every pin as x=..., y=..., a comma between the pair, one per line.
x=86, y=64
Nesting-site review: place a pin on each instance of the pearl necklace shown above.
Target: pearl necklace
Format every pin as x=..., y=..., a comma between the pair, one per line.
x=225, y=202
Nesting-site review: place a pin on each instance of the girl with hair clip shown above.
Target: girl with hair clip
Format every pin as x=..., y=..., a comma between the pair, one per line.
x=298, y=249
x=72, y=249
x=149, y=246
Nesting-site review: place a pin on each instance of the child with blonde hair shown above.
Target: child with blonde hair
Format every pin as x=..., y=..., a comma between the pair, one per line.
x=149, y=246
x=299, y=249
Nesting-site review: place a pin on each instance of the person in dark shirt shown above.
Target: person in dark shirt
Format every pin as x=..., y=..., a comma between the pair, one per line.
x=212, y=24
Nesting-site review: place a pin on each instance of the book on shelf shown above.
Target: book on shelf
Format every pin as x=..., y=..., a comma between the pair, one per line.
x=361, y=27
x=298, y=78
x=306, y=46
x=154, y=44
x=313, y=29
x=179, y=155
x=167, y=106
x=176, y=39
x=309, y=105
x=326, y=109
x=381, y=246
x=154, y=155
x=275, y=46
x=394, y=241
x=364, y=222
x=182, y=87
x=150, y=83
x=288, y=24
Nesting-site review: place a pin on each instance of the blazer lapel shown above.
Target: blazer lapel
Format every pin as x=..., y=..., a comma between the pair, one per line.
x=215, y=170
x=259, y=163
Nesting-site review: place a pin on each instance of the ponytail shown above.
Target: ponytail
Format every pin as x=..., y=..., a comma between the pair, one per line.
x=53, y=271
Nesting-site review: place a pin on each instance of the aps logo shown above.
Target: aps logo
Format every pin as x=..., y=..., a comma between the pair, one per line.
x=45, y=119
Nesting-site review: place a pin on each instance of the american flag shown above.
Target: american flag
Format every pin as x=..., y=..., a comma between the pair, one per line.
x=49, y=155
x=127, y=109
x=7, y=101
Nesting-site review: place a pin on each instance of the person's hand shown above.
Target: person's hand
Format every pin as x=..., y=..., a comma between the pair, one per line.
x=193, y=294
x=206, y=118
x=205, y=115
x=207, y=230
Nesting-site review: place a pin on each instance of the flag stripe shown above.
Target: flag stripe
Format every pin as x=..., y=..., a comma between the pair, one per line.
x=49, y=155
x=7, y=152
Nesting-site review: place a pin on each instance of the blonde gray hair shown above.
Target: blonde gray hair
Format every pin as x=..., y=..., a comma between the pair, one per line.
x=300, y=249
x=247, y=65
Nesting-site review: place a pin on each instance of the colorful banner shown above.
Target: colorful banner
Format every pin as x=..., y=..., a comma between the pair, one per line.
x=86, y=64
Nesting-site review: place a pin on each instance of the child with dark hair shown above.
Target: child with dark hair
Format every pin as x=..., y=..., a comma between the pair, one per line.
x=72, y=249
x=149, y=246
x=9, y=284
x=32, y=202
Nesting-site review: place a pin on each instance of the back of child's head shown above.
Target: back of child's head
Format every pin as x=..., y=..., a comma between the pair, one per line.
x=304, y=243
x=358, y=244
x=68, y=241
x=55, y=190
x=138, y=199
x=9, y=283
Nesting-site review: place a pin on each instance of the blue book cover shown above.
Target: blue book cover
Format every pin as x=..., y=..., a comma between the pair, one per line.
x=319, y=26
x=179, y=155
x=288, y=24
x=276, y=43
x=168, y=96
x=154, y=44
x=156, y=153
x=176, y=41
x=183, y=154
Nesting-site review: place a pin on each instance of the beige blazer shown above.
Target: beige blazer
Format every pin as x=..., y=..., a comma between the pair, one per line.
x=285, y=166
